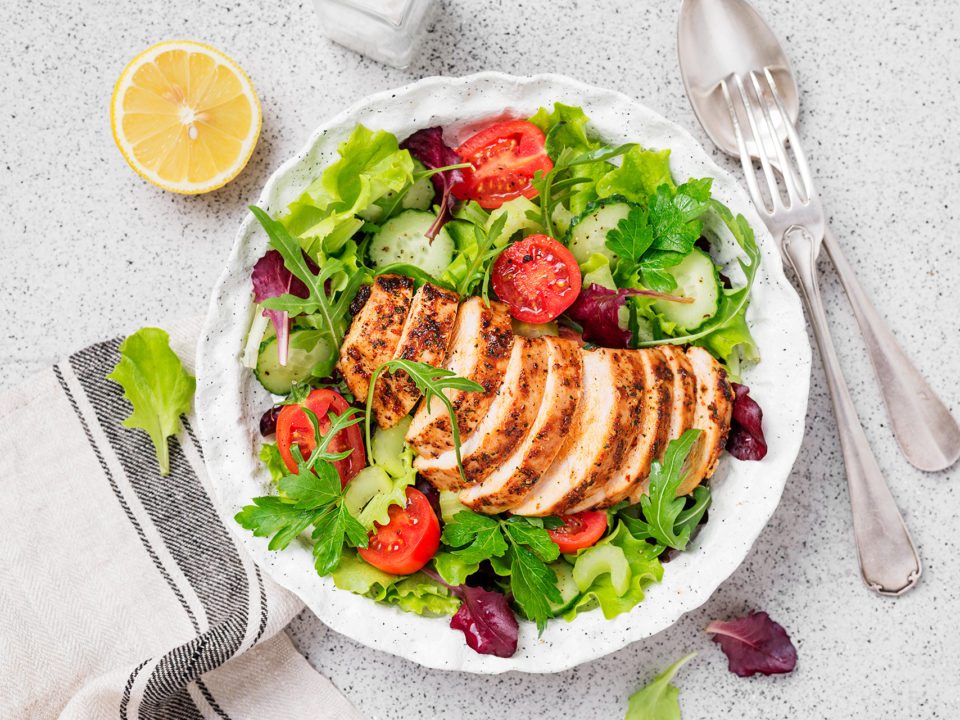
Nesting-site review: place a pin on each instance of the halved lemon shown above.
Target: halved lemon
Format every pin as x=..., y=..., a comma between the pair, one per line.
x=185, y=116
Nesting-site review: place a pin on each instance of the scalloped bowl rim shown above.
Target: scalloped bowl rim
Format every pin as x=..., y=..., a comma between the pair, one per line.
x=228, y=397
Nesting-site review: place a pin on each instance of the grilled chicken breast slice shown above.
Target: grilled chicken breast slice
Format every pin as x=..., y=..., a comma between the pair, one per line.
x=510, y=482
x=712, y=415
x=375, y=330
x=601, y=431
x=506, y=424
x=479, y=349
x=424, y=338
x=653, y=416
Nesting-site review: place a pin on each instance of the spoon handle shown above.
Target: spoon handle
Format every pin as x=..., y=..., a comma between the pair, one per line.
x=888, y=560
x=927, y=434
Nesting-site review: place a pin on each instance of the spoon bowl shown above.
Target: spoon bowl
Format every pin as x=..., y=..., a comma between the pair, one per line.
x=720, y=38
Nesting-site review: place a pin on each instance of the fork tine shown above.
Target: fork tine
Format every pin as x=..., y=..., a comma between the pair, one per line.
x=761, y=147
x=786, y=169
x=794, y=137
x=749, y=172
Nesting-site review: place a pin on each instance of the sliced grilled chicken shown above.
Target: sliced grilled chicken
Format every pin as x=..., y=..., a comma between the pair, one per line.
x=506, y=424
x=510, y=481
x=479, y=350
x=712, y=415
x=375, y=330
x=602, y=429
x=653, y=415
x=684, y=391
x=424, y=338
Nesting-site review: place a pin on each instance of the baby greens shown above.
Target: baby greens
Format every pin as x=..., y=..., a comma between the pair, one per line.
x=157, y=386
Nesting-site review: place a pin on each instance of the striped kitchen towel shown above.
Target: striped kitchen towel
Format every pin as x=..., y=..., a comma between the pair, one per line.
x=122, y=592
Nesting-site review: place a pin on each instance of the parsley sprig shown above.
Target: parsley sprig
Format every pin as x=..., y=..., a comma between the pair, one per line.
x=524, y=543
x=331, y=306
x=659, y=235
x=311, y=496
x=431, y=382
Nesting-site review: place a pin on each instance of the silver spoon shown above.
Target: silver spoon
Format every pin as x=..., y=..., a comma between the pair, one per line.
x=718, y=37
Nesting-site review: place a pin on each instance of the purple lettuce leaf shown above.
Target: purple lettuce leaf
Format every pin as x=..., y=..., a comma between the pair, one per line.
x=272, y=279
x=746, y=441
x=428, y=147
x=754, y=644
x=485, y=618
x=597, y=308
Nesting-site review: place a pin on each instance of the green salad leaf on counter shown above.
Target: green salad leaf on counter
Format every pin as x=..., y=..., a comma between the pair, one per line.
x=658, y=700
x=157, y=386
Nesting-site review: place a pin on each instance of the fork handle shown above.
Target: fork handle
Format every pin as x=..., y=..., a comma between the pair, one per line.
x=888, y=560
x=927, y=434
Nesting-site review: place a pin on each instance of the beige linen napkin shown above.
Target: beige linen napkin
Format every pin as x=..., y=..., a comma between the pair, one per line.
x=123, y=593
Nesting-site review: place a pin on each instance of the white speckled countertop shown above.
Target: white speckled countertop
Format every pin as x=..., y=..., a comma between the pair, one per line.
x=879, y=96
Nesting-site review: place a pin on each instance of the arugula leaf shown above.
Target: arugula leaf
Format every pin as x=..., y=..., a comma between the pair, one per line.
x=332, y=308
x=533, y=584
x=688, y=518
x=431, y=382
x=155, y=383
x=658, y=700
x=557, y=185
x=661, y=506
x=311, y=496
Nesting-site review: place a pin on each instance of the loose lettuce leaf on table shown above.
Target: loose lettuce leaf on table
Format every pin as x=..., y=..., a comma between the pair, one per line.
x=157, y=386
x=659, y=700
x=754, y=644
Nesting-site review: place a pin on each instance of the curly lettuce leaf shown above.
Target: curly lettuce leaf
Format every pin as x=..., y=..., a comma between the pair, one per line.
x=414, y=593
x=615, y=572
x=270, y=456
x=371, y=165
x=640, y=173
x=658, y=700
x=157, y=386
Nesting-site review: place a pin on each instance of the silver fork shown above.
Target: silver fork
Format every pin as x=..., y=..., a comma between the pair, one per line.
x=888, y=560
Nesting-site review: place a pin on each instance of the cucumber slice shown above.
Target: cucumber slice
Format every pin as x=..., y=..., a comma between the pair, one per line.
x=566, y=585
x=403, y=239
x=279, y=379
x=696, y=277
x=588, y=233
x=387, y=447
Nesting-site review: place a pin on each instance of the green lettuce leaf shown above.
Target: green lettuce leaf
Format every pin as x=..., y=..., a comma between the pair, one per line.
x=415, y=593
x=640, y=173
x=155, y=383
x=615, y=585
x=659, y=700
x=371, y=165
x=270, y=456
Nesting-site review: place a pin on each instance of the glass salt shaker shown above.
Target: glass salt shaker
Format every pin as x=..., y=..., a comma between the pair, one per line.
x=385, y=30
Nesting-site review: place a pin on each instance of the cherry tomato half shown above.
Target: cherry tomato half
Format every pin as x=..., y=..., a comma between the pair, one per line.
x=504, y=157
x=293, y=427
x=537, y=278
x=408, y=541
x=580, y=530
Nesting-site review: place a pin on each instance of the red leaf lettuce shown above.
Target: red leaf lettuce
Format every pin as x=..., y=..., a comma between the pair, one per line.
x=754, y=644
x=746, y=441
x=485, y=618
x=597, y=310
x=272, y=279
x=428, y=147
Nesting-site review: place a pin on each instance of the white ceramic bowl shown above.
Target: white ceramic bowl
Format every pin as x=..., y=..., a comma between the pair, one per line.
x=230, y=400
